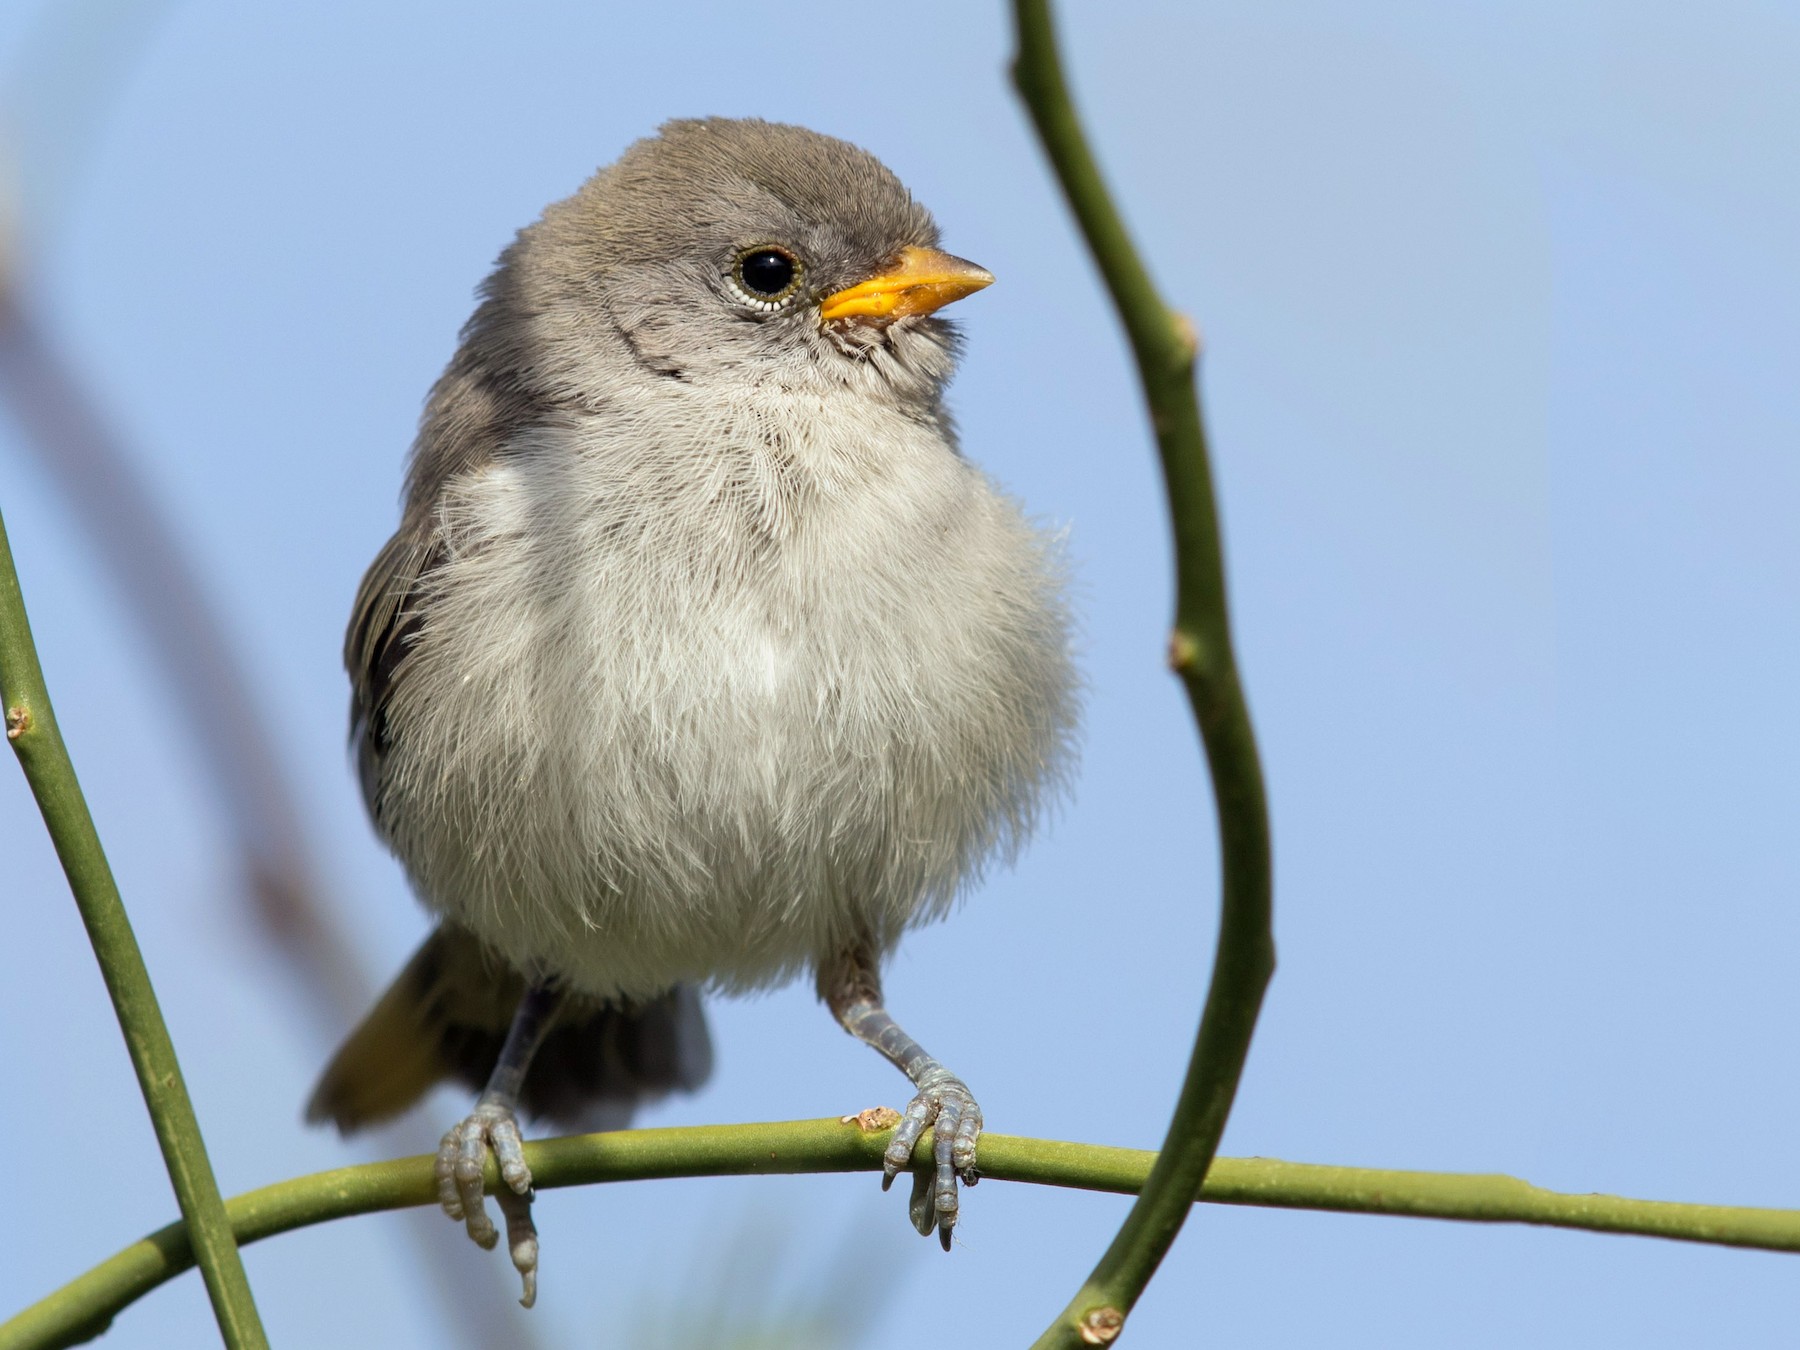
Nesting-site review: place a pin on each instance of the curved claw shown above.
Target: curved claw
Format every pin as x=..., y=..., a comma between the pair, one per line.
x=921, y=1207
x=949, y=1109
x=521, y=1241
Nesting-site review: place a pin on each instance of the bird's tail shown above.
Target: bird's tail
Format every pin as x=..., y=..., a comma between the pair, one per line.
x=446, y=1016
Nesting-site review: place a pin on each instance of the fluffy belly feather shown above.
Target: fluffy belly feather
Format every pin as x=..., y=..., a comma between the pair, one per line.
x=727, y=736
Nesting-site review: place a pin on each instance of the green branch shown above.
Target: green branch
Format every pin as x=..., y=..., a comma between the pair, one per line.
x=83, y=1308
x=31, y=729
x=1166, y=349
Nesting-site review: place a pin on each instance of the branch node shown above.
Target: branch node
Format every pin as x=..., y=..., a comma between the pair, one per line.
x=1101, y=1326
x=874, y=1120
x=1186, y=334
x=18, y=721
x=1184, y=651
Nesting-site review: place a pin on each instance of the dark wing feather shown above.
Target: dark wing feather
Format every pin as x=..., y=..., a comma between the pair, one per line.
x=446, y=1017
x=385, y=622
x=484, y=399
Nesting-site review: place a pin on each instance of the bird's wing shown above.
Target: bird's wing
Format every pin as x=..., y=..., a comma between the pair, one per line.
x=384, y=624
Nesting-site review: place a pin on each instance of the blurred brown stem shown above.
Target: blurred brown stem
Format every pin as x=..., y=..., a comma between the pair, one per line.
x=168, y=601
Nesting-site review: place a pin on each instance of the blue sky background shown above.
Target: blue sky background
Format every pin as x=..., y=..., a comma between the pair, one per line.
x=1502, y=314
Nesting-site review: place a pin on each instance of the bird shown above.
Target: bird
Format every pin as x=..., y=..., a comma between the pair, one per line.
x=702, y=659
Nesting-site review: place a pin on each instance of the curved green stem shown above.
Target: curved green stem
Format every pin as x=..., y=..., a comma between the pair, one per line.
x=31, y=729
x=83, y=1308
x=1166, y=348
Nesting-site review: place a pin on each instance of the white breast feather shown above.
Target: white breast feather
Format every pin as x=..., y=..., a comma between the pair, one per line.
x=704, y=707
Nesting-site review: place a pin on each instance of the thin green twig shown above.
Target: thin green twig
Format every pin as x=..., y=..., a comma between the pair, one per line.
x=1167, y=348
x=31, y=728
x=83, y=1308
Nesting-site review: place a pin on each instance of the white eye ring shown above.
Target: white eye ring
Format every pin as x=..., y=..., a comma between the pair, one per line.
x=762, y=257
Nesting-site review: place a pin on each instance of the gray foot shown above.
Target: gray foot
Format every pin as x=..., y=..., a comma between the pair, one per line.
x=460, y=1159
x=948, y=1107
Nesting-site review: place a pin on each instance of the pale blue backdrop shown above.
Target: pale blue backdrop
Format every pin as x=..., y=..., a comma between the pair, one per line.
x=1501, y=316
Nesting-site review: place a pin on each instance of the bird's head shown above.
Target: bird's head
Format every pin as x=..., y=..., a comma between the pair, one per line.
x=744, y=252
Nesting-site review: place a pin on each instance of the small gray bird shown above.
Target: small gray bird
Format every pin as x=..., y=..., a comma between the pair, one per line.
x=701, y=657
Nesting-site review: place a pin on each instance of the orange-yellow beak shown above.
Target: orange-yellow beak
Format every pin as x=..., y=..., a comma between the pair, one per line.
x=925, y=280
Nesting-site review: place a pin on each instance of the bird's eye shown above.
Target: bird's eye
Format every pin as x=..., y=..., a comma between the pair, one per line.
x=766, y=275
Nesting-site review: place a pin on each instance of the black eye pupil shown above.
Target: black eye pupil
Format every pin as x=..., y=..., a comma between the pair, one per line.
x=767, y=271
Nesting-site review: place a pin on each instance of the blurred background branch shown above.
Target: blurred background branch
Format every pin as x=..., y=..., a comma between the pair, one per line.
x=65, y=79
x=209, y=685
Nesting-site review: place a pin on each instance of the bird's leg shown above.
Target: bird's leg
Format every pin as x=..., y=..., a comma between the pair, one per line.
x=851, y=988
x=494, y=1123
